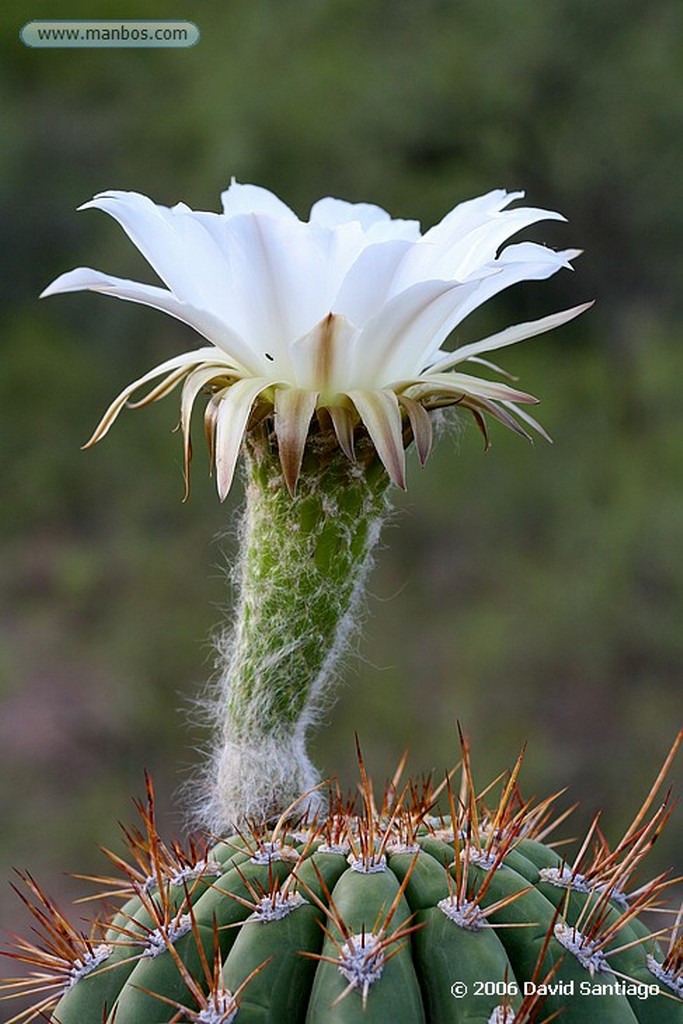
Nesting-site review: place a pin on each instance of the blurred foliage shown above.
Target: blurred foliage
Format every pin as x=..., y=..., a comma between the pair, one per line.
x=534, y=593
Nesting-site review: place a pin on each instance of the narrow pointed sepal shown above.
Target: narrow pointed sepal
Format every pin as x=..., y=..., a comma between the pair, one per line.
x=342, y=422
x=531, y=420
x=441, y=385
x=510, y=336
x=232, y=415
x=294, y=410
x=498, y=413
x=175, y=368
x=195, y=381
x=381, y=416
x=421, y=426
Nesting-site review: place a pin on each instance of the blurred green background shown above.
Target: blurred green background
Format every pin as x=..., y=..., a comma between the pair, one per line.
x=533, y=593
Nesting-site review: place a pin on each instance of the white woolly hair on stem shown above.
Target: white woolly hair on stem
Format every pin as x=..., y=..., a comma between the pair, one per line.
x=299, y=580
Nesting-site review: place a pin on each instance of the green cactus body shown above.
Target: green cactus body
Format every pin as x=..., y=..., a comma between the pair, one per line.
x=379, y=916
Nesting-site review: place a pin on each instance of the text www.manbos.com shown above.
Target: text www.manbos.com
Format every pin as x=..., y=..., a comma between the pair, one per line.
x=109, y=33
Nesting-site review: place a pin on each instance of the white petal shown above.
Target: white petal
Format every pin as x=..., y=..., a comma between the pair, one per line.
x=533, y=254
x=510, y=336
x=321, y=258
x=395, y=230
x=459, y=247
x=407, y=333
x=457, y=225
x=174, y=242
x=278, y=279
x=232, y=345
x=375, y=222
x=525, y=261
x=471, y=213
x=457, y=256
x=400, y=339
x=238, y=198
x=338, y=250
x=331, y=212
x=369, y=283
x=232, y=416
x=325, y=358
x=381, y=416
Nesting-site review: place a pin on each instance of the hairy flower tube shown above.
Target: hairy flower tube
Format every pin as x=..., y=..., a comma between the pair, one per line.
x=341, y=317
x=325, y=357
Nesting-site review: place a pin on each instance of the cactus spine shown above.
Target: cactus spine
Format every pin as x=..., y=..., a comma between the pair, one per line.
x=422, y=907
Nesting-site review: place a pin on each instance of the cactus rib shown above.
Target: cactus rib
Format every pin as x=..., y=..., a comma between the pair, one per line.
x=396, y=909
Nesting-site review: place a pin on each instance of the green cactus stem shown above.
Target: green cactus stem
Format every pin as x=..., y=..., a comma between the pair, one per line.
x=302, y=565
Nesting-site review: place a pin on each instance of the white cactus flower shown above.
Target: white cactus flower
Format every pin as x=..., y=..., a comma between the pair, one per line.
x=342, y=317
